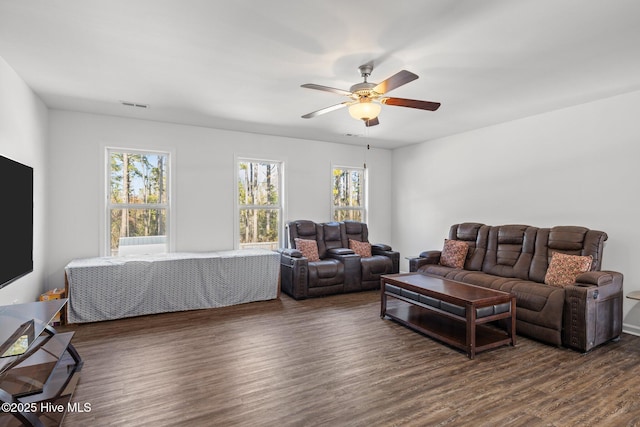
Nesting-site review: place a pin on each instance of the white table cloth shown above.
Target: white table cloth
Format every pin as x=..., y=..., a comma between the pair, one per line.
x=117, y=287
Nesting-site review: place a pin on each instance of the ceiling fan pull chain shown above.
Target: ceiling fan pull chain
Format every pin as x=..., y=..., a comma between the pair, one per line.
x=366, y=135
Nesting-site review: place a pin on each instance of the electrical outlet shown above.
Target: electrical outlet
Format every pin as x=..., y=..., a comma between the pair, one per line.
x=15, y=301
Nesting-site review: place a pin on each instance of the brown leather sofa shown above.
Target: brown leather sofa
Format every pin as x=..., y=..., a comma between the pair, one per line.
x=339, y=268
x=515, y=258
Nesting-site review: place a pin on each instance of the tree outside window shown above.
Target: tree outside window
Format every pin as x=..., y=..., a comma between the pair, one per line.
x=137, y=202
x=348, y=194
x=259, y=203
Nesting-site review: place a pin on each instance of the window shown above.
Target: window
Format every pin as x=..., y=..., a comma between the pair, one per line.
x=348, y=194
x=260, y=203
x=137, y=202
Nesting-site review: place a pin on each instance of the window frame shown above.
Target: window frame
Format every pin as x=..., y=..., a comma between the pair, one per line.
x=364, y=208
x=281, y=206
x=105, y=221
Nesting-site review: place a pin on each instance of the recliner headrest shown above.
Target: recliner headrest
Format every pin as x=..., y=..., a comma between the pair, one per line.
x=305, y=228
x=353, y=227
x=567, y=238
x=332, y=231
x=468, y=231
x=511, y=234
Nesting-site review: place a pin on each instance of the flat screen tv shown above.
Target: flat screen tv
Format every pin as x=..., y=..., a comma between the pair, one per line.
x=16, y=220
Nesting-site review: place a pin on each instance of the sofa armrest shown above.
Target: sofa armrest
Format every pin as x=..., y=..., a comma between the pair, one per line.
x=294, y=273
x=345, y=256
x=339, y=251
x=599, y=278
x=293, y=253
x=426, y=257
x=380, y=247
x=592, y=312
x=385, y=250
x=352, y=268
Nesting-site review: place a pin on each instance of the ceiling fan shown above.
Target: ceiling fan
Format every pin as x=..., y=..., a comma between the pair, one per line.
x=366, y=98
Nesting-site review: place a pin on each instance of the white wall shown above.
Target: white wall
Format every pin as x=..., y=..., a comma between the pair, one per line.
x=576, y=166
x=205, y=180
x=572, y=166
x=23, y=133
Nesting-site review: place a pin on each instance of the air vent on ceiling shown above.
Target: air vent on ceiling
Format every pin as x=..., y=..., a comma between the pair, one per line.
x=134, y=104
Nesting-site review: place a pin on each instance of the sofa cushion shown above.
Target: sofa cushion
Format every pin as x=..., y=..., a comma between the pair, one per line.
x=327, y=269
x=356, y=230
x=436, y=269
x=309, y=249
x=573, y=240
x=374, y=266
x=475, y=235
x=537, y=303
x=482, y=279
x=329, y=272
x=361, y=248
x=331, y=238
x=564, y=268
x=454, y=253
x=510, y=251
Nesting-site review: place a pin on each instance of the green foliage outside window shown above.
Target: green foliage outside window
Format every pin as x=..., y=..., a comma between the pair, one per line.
x=344, y=214
x=348, y=194
x=259, y=203
x=137, y=196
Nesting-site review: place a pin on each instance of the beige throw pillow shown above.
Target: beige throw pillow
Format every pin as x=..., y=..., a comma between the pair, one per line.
x=309, y=249
x=563, y=269
x=454, y=253
x=361, y=248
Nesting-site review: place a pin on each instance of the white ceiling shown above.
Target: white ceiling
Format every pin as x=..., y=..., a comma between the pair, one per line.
x=239, y=64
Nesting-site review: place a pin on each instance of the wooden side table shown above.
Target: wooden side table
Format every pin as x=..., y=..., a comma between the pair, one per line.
x=634, y=295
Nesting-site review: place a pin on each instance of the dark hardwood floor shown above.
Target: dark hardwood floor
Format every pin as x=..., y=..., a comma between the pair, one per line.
x=333, y=362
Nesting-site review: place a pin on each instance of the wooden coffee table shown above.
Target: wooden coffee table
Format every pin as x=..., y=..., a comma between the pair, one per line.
x=453, y=312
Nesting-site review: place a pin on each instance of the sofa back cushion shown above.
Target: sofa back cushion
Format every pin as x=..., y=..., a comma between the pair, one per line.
x=566, y=239
x=332, y=237
x=510, y=251
x=329, y=235
x=356, y=231
x=301, y=229
x=475, y=236
x=574, y=240
x=540, y=262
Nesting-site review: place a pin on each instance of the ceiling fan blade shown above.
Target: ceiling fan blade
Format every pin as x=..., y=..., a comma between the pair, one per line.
x=397, y=80
x=326, y=89
x=326, y=110
x=411, y=103
x=372, y=122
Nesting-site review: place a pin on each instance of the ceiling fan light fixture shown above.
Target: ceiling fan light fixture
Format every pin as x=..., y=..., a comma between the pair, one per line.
x=366, y=98
x=364, y=110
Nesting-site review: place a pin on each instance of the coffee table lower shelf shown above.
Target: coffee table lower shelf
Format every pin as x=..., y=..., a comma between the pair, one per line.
x=445, y=329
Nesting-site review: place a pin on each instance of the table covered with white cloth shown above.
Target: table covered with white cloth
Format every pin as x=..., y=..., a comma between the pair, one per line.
x=108, y=288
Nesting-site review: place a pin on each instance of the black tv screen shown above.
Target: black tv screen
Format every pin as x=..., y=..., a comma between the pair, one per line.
x=16, y=217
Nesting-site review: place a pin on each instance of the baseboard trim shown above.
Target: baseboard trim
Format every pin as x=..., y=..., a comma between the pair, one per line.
x=631, y=329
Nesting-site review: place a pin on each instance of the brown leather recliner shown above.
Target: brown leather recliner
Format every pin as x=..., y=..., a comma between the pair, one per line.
x=515, y=258
x=383, y=259
x=339, y=268
x=302, y=278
